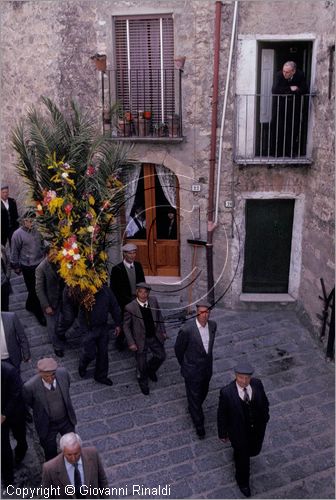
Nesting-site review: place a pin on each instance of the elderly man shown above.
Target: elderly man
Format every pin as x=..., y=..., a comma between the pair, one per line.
x=49, y=287
x=124, y=277
x=289, y=111
x=47, y=393
x=9, y=215
x=26, y=254
x=144, y=330
x=243, y=413
x=193, y=349
x=76, y=472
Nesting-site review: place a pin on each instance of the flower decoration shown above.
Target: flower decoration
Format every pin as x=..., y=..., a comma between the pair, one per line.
x=76, y=192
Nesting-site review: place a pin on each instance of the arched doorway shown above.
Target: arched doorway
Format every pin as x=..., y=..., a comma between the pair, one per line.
x=152, y=218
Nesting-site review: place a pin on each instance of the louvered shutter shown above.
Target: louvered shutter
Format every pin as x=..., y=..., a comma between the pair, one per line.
x=144, y=49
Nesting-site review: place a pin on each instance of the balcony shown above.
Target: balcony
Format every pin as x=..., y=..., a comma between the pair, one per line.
x=273, y=129
x=142, y=105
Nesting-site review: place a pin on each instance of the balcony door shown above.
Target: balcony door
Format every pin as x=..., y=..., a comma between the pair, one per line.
x=152, y=218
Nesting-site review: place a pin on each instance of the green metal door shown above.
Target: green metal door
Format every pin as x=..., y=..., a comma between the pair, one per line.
x=269, y=225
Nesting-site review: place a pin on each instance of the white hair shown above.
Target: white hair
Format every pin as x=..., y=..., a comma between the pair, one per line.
x=69, y=440
x=292, y=64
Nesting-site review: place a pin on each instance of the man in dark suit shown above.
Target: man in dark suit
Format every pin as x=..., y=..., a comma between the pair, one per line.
x=9, y=215
x=49, y=287
x=145, y=331
x=47, y=393
x=95, y=333
x=243, y=413
x=124, y=277
x=15, y=345
x=12, y=419
x=78, y=467
x=193, y=349
x=289, y=112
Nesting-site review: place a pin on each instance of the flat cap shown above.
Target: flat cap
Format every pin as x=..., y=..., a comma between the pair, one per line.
x=129, y=247
x=29, y=214
x=47, y=365
x=4, y=186
x=244, y=368
x=142, y=284
x=204, y=303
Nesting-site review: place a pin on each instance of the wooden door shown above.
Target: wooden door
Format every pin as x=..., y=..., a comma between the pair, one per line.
x=155, y=224
x=269, y=225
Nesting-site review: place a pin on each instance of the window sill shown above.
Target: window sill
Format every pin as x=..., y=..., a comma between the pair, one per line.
x=267, y=297
x=273, y=161
x=152, y=140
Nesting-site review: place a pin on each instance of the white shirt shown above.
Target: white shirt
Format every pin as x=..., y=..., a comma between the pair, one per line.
x=241, y=391
x=130, y=265
x=3, y=343
x=71, y=470
x=48, y=386
x=142, y=304
x=204, y=332
x=6, y=203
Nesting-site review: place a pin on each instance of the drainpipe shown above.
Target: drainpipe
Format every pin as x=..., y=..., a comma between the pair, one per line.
x=227, y=83
x=211, y=226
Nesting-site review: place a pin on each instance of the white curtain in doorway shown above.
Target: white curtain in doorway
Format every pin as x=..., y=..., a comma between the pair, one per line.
x=167, y=181
x=131, y=178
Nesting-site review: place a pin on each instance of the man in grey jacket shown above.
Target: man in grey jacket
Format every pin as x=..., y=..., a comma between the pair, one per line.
x=49, y=286
x=145, y=331
x=47, y=393
x=26, y=254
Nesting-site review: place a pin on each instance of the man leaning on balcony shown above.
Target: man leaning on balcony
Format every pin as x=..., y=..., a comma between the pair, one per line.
x=289, y=111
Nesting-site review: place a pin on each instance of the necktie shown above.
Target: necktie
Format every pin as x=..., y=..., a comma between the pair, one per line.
x=131, y=266
x=77, y=481
x=52, y=388
x=246, y=396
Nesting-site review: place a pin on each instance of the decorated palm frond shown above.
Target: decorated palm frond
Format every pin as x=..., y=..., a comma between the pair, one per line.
x=73, y=175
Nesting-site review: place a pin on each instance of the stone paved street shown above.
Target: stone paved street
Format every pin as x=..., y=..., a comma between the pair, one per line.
x=150, y=440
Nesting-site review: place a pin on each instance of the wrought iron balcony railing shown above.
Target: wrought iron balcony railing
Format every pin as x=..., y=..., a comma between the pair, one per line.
x=142, y=104
x=273, y=128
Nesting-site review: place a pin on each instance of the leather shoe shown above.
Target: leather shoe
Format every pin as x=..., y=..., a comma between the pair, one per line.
x=153, y=376
x=106, y=381
x=200, y=431
x=82, y=371
x=144, y=388
x=245, y=490
x=59, y=353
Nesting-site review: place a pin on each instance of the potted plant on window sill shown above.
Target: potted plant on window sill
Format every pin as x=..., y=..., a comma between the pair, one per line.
x=160, y=129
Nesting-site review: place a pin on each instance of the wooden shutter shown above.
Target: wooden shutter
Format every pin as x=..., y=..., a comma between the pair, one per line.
x=144, y=48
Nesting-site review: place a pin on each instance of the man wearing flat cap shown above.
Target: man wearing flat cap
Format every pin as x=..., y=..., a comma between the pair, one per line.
x=27, y=251
x=47, y=393
x=193, y=349
x=9, y=215
x=124, y=277
x=145, y=331
x=243, y=413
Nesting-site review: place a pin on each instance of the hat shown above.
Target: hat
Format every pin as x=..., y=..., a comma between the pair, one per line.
x=142, y=284
x=47, y=365
x=129, y=247
x=204, y=303
x=4, y=186
x=29, y=214
x=244, y=368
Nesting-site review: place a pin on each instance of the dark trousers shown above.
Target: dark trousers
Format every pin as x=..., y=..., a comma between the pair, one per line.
x=242, y=458
x=5, y=292
x=159, y=355
x=52, y=327
x=49, y=443
x=18, y=428
x=95, y=345
x=196, y=393
x=32, y=302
